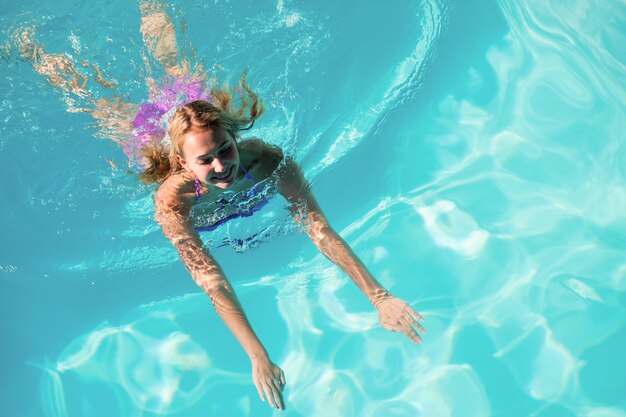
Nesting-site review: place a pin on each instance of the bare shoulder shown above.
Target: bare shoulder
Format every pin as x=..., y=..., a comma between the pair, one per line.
x=261, y=148
x=175, y=194
x=256, y=151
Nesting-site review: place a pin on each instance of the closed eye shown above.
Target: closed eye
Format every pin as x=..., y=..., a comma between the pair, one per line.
x=224, y=149
x=221, y=151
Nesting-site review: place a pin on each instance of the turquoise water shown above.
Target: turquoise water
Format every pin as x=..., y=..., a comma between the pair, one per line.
x=470, y=152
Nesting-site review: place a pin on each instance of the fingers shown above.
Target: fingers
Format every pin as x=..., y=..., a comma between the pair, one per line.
x=397, y=316
x=414, y=313
x=413, y=321
x=259, y=390
x=278, y=396
x=409, y=331
x=274, y=394
x=279, y=385
x=269, y=380
x=269, y=394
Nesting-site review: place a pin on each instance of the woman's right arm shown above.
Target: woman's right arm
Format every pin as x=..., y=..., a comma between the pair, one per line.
x=173, y=217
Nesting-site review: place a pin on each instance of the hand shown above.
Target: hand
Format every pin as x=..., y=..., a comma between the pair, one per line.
x=398, y=316
x=269, y=380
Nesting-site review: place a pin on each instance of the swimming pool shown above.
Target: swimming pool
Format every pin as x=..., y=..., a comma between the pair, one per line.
x=471, y=152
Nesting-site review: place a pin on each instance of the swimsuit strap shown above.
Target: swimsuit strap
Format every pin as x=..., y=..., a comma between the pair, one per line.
x=248, y=176
x=255, y=188
x=197, y=181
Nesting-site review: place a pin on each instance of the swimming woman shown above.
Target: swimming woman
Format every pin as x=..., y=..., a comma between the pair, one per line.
x=202, y=161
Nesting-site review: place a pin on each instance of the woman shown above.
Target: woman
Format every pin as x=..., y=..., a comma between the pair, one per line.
x=202, y=163
x=207, y=157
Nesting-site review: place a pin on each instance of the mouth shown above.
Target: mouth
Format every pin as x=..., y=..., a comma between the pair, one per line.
x=224, y=176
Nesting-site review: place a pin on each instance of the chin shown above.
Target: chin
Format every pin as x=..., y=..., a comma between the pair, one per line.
x=223, y=185
x=229, y=180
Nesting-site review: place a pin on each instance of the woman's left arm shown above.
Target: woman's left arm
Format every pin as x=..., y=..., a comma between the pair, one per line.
x=395, y=314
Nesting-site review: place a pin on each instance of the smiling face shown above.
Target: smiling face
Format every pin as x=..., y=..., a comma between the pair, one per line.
x=212, y=155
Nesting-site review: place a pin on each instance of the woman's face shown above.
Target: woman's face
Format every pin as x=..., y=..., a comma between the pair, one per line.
x=212, y=155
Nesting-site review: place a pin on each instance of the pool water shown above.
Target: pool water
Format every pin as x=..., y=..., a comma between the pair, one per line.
x=471, y=152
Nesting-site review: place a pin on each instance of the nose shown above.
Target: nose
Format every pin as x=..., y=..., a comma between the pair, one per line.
x=217, y=165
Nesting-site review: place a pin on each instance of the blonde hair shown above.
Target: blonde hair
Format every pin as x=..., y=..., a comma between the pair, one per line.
x=161, y=161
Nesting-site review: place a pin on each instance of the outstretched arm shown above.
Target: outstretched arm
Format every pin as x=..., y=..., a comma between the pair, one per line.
x=206, y=272
x=395, y=314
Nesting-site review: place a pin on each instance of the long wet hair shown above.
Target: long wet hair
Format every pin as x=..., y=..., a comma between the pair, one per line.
x=160, y=159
